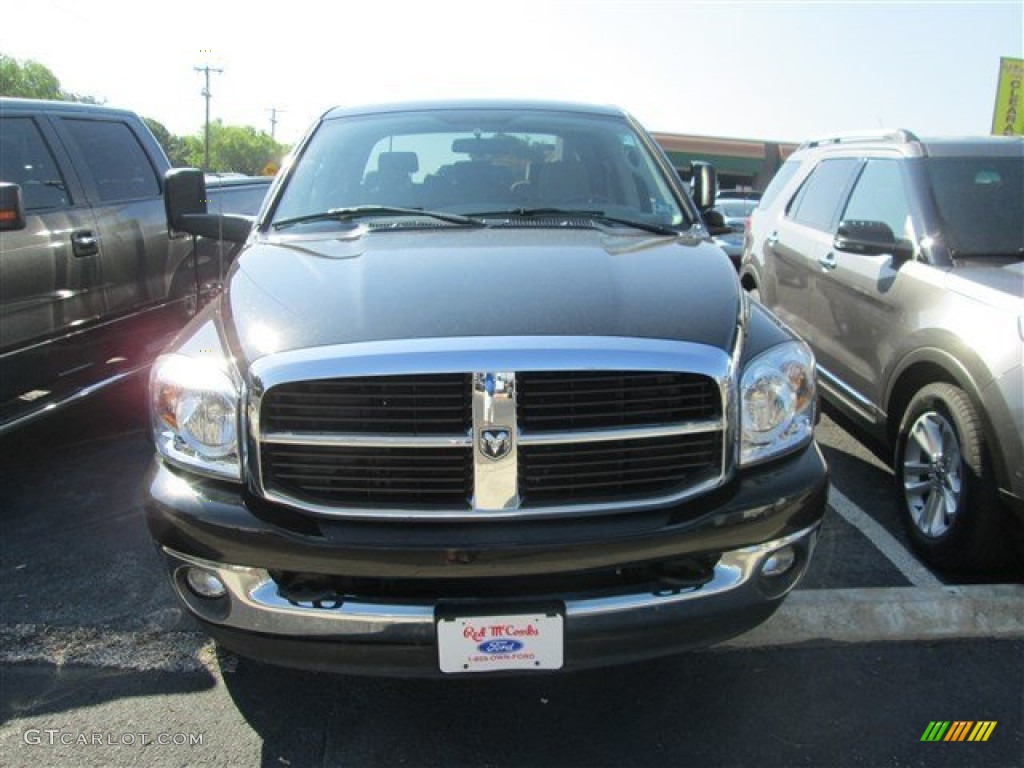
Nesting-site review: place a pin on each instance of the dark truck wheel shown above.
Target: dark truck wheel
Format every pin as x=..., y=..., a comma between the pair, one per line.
x=947, y=490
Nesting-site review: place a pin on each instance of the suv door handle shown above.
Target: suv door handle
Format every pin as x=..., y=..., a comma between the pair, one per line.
x=84, y=243
x=772, y=239
x=828, y=261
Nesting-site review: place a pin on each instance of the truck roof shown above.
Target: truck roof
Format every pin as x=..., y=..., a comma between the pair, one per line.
x=60, y=106
x=513, y=104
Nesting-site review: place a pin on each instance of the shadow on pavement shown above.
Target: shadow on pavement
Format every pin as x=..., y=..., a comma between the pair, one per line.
x=778, y=707
x=33, y=691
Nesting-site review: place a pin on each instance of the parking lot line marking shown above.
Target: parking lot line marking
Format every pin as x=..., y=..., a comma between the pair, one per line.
x=884, y=541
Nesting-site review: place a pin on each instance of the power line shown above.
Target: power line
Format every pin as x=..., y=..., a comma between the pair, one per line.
x=206, y=94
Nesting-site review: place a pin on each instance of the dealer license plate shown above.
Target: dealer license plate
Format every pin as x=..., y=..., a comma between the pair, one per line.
x=496, y=643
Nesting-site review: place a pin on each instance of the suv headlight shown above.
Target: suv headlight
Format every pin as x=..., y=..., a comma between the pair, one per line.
x=195, y=415
x=777, y=402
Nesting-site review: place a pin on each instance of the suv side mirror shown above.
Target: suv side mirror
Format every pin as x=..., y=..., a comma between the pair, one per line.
x=715, y=222
x=703, y=185
x=872, y=238
x=12, y=209
x=185, y=200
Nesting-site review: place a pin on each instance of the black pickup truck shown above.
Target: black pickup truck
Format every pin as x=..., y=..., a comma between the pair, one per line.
x=92, y=284
x=479, y=395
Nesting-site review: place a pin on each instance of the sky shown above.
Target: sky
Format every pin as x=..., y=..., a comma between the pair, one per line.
x=781, y=71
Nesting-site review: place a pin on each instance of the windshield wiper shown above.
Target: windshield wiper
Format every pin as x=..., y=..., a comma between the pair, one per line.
x=360, y=211
x=658, y=229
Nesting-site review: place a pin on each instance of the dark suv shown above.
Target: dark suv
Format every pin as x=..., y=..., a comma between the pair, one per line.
x=480, y=395
x=899, y=260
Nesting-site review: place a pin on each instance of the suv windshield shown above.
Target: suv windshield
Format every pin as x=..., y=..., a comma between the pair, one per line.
x=487, y=162
x=980, y=201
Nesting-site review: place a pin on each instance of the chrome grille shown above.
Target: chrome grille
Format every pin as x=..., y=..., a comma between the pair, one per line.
x=599, y=471
x=370, y=476
x=567, y=400
x=508, y=427
x=435, y=404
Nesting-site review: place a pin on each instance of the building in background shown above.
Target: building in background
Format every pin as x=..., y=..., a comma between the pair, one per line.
x=744, y=164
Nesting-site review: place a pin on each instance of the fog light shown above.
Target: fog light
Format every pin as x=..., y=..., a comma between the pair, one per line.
x=779, y=561
x=205, y=583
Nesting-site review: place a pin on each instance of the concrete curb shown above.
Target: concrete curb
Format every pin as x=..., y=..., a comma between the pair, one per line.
x=807, y=616
x=892, y=614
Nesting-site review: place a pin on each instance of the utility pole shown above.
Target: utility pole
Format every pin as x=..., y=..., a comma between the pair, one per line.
x=206, y=94
x=273, y=120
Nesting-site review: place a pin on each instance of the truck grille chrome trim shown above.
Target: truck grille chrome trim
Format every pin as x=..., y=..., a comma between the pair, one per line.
x=496, y=453
x=653, y=418
x=368, y=441
x=636, y=433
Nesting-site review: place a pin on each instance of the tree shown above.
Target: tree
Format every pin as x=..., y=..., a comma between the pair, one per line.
x=238, y=148
x=175, y=147
x=29, y=79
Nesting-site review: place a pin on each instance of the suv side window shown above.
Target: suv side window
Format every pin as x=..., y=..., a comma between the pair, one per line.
x=817, y=202
x=879, y=196
x=118, y=164
x=779, y=180
x=26, y=160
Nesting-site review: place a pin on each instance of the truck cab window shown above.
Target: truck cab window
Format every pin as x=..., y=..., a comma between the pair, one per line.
x=27, y=161
x=114, y=158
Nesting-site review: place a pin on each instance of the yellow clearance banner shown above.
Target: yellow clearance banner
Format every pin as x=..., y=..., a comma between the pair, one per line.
x=1008, y=119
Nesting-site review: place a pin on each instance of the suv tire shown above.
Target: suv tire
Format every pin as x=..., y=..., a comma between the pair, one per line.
x=946, y=486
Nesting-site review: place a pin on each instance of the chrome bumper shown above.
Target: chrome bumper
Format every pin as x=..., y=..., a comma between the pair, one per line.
x=252, y=603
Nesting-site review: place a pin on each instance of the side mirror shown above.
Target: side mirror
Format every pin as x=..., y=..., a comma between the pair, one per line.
x=185, y=200
x=184, y=194
x=715, y=222
x=872, y=238
x=703, y=185
x=12, y=209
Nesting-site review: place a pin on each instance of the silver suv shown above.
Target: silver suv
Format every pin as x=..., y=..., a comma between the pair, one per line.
x=899, y=260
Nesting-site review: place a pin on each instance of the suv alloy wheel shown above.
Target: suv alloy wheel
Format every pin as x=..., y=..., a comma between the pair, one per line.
x=947, y=500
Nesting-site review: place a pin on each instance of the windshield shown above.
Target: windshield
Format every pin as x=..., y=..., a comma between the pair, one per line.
x=980, y=201
x=490, y=162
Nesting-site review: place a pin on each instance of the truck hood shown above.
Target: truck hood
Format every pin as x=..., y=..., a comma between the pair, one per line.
x=297, y=293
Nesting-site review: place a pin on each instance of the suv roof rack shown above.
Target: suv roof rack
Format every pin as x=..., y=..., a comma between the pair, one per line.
x=899, y=135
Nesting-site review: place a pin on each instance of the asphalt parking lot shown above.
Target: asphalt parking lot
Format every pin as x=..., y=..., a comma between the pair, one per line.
x=870, y=649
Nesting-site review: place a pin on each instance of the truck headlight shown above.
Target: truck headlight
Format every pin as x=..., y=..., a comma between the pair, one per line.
x=777, y=402
x=195, y=415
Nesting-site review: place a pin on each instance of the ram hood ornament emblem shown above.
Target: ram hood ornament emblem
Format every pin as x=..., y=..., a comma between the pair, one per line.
x=495, y=443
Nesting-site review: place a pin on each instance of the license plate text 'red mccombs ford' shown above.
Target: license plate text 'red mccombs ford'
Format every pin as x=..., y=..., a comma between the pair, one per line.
x=492, y=643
